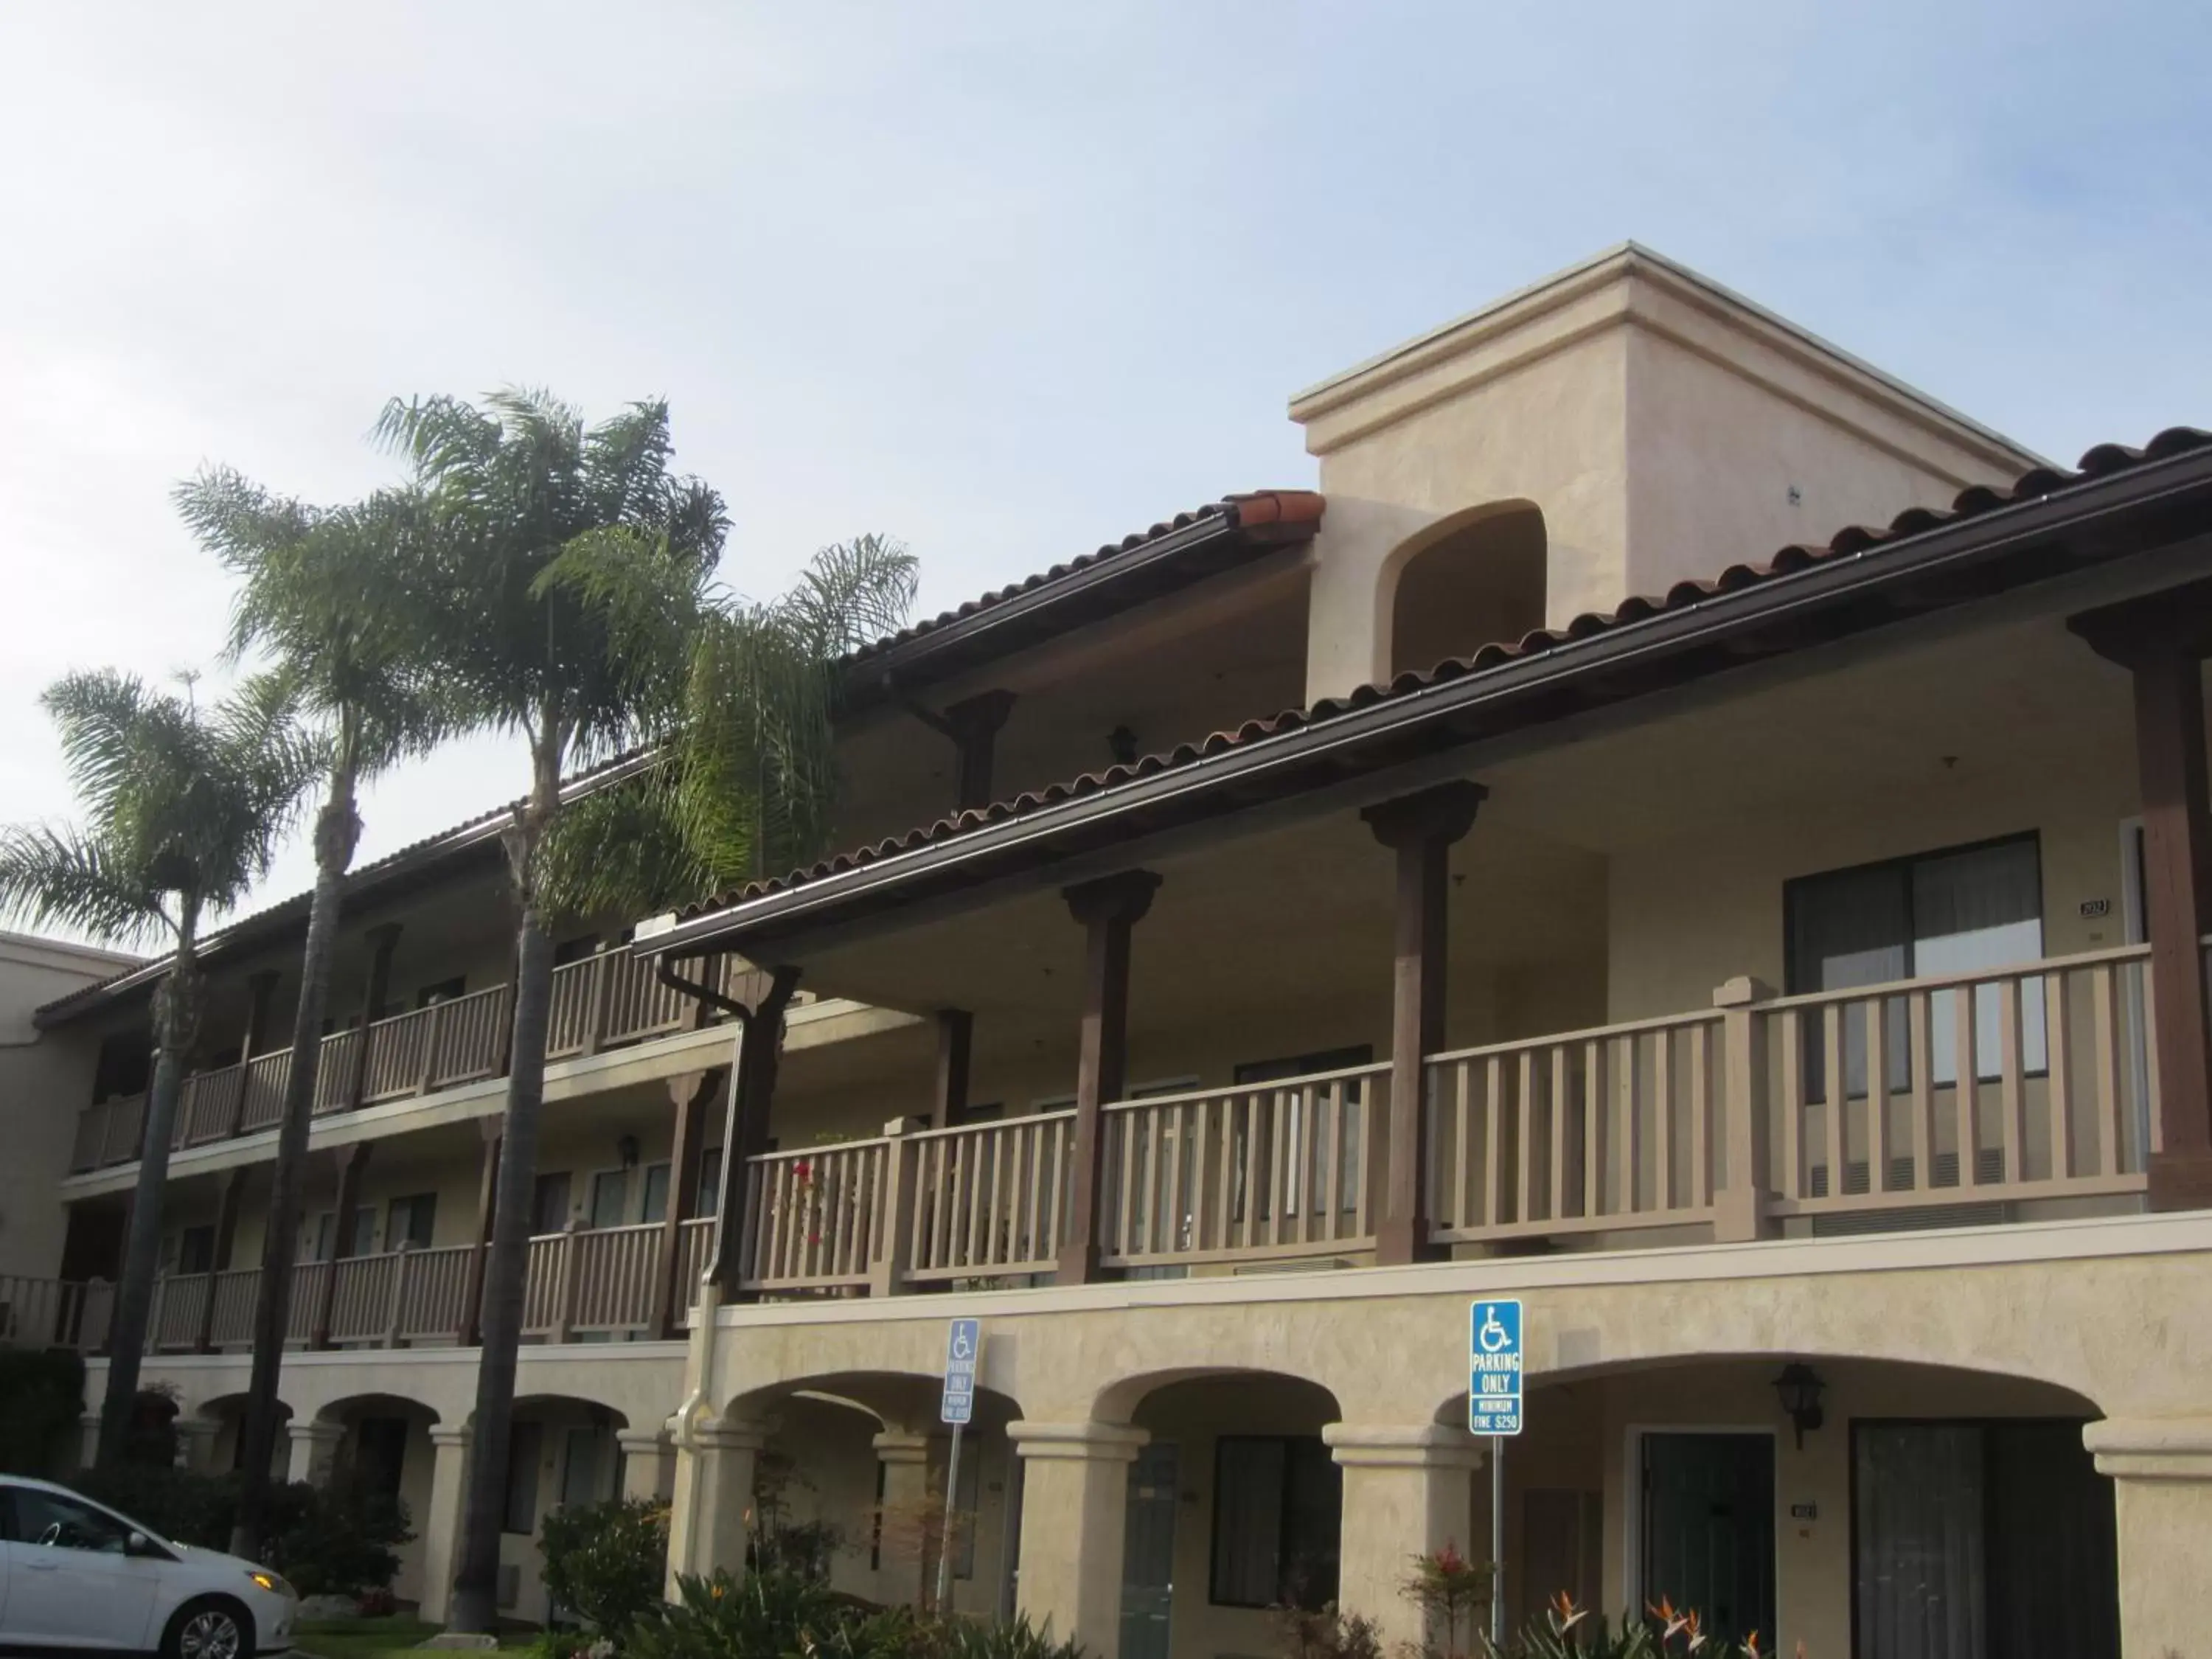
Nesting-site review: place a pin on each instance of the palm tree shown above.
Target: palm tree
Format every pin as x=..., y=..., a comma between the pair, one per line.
x=183, y=809
x=575, y=604
x=567, y=572
x=321, y=594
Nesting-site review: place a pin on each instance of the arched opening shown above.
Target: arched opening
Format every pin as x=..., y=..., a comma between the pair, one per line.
x=227, y=1450
x=1916, y=1498
x=381, y=1454
x=562, y=1451
x=851, y=1486
x=1234, y=1508
x=1475, y=580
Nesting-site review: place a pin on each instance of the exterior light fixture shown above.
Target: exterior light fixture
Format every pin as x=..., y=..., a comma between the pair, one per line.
x=1801, y=1386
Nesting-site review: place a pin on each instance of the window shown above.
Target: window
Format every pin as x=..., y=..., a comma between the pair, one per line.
x=445, y=990
x=1977, y=1540
x=48, y=1519
x=121, y=1067
x=525, y=1444
x=315, y=1238
x=550, y=1210
x=610, y=1194
x=411, y=1222
x=1278, y=1501
x=654, y=1207
x=710, y=1182
x=1959, y=911
x=575, y=949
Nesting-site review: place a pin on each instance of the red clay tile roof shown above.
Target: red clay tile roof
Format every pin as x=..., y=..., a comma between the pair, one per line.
x=1249, y=511
x=2097, y=463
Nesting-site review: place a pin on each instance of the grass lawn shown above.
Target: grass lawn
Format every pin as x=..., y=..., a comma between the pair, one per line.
x=376, y=1638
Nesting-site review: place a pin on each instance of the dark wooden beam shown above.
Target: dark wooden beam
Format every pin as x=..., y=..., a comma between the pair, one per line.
x=1419, y=828
x=226, y=1242
x=351, y=1161
x=759, y=1058
x=1108, y=908
x=487, y=1212
x=382, y=940
x=955, y=1038
x=974, y=724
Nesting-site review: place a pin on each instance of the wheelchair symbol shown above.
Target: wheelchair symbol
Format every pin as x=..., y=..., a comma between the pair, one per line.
x=1493, y=1338
x=964, y=1342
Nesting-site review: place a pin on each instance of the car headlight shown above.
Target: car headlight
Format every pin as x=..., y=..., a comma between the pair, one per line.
x=269, y=1582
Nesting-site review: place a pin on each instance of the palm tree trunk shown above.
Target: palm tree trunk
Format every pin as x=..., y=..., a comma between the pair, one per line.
x=176, y=1021
x=474, y=1607
x=338, y=830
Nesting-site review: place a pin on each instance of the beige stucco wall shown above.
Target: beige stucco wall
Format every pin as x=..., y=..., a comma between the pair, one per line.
x=44, y=1077
x=1665, y=427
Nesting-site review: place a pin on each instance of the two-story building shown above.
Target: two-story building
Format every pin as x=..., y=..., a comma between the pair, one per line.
x=1676, y=827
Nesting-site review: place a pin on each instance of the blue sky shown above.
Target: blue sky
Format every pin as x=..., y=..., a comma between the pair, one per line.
x=1004, y=280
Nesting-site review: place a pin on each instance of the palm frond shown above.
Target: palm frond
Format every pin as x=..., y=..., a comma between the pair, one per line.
x=853, y=592
x=62, y=878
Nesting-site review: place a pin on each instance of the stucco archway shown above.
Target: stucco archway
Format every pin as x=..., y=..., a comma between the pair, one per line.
x=1473, y=578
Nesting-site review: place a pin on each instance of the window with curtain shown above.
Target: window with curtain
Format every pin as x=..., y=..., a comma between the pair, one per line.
x=1960, y=911
x=1278, y=1502
x=1982, y=1540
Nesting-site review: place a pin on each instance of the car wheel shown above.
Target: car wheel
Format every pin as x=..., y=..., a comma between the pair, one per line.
x=212, y=1628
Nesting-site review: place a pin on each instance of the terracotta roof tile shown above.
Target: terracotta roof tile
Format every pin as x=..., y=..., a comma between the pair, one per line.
x=2104, y=460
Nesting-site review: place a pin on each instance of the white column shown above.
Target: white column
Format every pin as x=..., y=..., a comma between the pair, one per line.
x=89, y=1453
x=441, y=1526
x=1408, y=1491
x=1075, y=1502
x=2161, y=1470
x=710, y=1508
x=909, y=1521
x=648, y=1462
x=313, y=1448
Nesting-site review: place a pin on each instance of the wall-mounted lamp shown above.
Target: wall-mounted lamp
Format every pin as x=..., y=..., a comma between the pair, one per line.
x=626, y=1150
x=1801, y=1386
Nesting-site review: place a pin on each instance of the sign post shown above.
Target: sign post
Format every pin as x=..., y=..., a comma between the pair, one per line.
x=1494, y=1368
x=963, y=1349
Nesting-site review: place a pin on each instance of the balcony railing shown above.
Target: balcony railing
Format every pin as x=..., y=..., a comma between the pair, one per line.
x=1728, y=1121
x=602, y=1001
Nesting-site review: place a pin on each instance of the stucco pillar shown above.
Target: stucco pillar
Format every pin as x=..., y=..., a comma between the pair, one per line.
x=2161, y=1471
x=441, y=1525
x=196, y=1438
x=89, y=1451
x=712, y=1499
x=1075, y=1503
x=312, y=1449
x=648, y=1462
x=1354, y=586
x=1408, y=1491
x=908, y=1521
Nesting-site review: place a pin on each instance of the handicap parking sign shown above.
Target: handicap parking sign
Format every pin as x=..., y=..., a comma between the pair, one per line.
x=1494, y=1366
x=964, y=1348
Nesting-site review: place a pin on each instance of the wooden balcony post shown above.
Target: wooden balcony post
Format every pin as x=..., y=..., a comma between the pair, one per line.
x=895, y=1249
x=352, y=1160
x=565, y=1284
x=486, y=1208
x=691, y=1092
x=1108, y=908
x=395, y=1315
x=974, y=725
x=1419, y=828
x=261, y=988
x=382, y=940
x=759, y=1057
x=601, y=1005
x=226, y=1240
x=434, y=1034
x=956, y=1037
x=2162, y=639
x=1739, y=1207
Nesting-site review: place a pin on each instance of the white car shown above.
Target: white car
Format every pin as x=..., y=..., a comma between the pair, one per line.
x=75, y=1574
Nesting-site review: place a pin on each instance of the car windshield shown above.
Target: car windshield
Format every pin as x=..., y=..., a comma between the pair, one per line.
x=56, y=1520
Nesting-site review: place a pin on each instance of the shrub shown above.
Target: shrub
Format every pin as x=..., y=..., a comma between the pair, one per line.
x=763, y=1615
x=1327, y=1633
x=1450, y=1590
x=606, y=1562
x=181, y=1504
x=336, y=1541
x=41, y=1397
